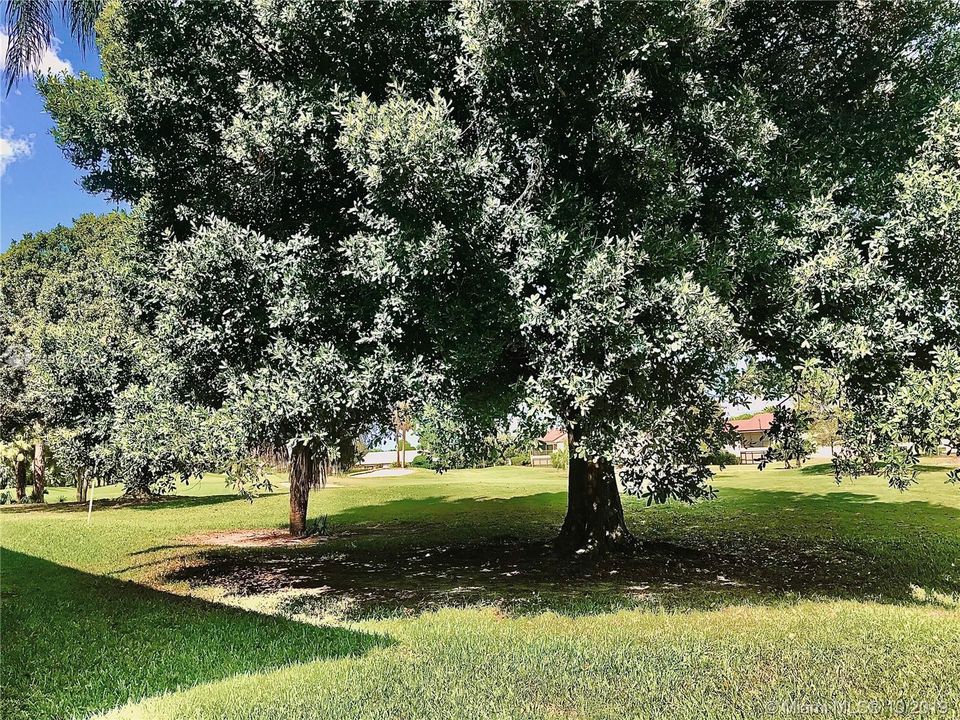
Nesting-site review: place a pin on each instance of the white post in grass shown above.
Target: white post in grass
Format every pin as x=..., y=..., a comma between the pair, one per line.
x=90, y=506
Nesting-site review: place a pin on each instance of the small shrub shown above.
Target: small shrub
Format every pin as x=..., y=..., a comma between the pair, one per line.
x=723, y=457
x=519, y=459
x=422, y=461
x=797, y=452
x=320, y=526
x=788, y=433
x=560, y=459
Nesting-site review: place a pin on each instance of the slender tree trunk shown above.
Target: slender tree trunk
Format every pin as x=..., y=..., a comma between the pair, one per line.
x=82, y=485
x=307, y=470
x=21, y=480
x=594, y=521
x=39, y=469
x=403, y=452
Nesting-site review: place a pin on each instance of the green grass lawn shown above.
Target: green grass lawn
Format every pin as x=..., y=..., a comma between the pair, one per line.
x=439, y=596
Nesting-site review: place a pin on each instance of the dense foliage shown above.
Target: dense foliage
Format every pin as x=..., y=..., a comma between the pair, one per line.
x=789, y=437
x=220, y=121
x=70, y=323
x=678, y=192
x=607, y=216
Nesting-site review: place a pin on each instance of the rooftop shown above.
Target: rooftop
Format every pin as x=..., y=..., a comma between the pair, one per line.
x=554, y=435
x=759, y=422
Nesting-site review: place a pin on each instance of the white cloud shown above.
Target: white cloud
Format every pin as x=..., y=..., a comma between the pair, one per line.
x=13, y=148
x=49, y=63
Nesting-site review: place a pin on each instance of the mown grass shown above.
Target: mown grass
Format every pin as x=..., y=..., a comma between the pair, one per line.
x=78, y=641
x=785, y=592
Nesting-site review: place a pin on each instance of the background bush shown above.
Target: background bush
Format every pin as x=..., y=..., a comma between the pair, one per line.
x=723, y=457
x=422, y=461
x=560, y=459
x=522, y=458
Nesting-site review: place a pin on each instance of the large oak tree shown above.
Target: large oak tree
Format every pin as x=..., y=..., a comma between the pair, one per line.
x=662, y=195
x=588, y=213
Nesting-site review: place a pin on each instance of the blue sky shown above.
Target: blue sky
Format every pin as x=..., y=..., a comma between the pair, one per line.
x=39, y=188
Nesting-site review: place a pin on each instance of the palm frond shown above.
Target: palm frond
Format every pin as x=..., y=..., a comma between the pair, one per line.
x=82, y=16
x=29, y=24
x=30, y=29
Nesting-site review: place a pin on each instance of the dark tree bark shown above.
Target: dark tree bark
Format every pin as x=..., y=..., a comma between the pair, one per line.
x=308, y=468
x=39, y=468
x=21, y=480
x=139, y=491
x=83, y=485
x=594, y=522
x=299, y=494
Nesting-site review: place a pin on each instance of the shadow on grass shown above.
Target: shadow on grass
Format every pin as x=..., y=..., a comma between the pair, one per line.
x=751, y=546
x=76, y=643
x=450, y=514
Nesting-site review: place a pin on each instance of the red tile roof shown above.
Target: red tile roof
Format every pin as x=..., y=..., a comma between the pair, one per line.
x=759, y=422
x=553, y=435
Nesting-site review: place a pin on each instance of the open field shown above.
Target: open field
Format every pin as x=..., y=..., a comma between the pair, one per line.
x=438, y=596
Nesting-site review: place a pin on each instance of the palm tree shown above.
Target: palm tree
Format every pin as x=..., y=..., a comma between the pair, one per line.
x=29, y=24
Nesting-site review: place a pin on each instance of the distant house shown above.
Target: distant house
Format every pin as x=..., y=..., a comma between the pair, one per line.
x=753, y=435
x=752, y=431
x=554, y=439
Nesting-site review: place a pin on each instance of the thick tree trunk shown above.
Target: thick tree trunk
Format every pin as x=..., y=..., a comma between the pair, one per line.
x=39, y=469
x=299, y=495
x=21, y=480
x=307, y=470
x=594, y=521
x=139, y=491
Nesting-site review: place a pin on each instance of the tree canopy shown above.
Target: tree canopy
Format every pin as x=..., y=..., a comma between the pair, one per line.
x=70, y=321
x=592, y=214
